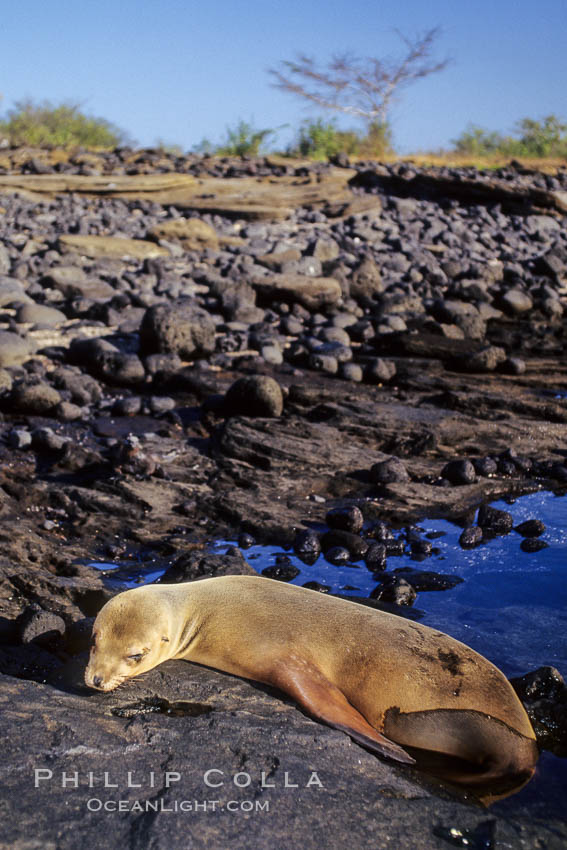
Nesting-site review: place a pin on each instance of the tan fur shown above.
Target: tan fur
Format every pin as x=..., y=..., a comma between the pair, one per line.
x=359, y=669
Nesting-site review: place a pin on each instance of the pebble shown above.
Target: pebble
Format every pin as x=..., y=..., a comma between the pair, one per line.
x=379, y=371
x=396, y=590
x=245, y=540
x=459, y=472
x=255, y=395
x=19, y=438
x=356, y=545
x=127, y=406
x=471, y=537
x=425, y=580
x=375, y=557
x=533, y=544
x=281, y=572
x=380, y=531
x=316, y=585
x=338, y=556
x=13, y=349
x=40, y=627
x=35, y=398
x=388, y=471
x=181, y=328
x=307, y=546
x=351, y=372
x=530, y=528
x=485, y=466
x=348, y=518
x=497, y=521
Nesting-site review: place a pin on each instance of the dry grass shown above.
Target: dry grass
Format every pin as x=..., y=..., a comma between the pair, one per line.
x=550, y=165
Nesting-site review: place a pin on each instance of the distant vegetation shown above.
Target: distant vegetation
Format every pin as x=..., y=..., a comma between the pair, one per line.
x=241, y=140
x=531, y=138
x=44, y=124
x=320, y=140
x=58, y=125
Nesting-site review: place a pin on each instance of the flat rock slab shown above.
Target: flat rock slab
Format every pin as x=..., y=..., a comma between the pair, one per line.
x=111, y=246
x=472, y=190
x=271, y=199
x=186, y=720
x=312, y=292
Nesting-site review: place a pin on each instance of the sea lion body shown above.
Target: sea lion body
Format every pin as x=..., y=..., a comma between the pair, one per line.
x=392, y=684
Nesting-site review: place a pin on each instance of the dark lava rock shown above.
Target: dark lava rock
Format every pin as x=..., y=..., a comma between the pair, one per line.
x=366, y=282
x=356, y=546
x=281, y=571
x=486, y=360
x=162, y=364
x=485, y=466
x=19, y=438
x=34, y=398
x=471, y=537
x=106, y=361
x=421, y=549
x=387, y=471
x=380, y=531
x=532, y=544
x=43, y=628
x=201, y=564
x=375, y=558
x=544, y=695
x=394, y=589
x=337, y=555
x=513, y=366
x=181, y=328
x=499, y=522
x=348, y=519
x=45, y=439
x=316, y=585
x=427, y=580
x=129, y=406
x=379, y=371
x=245, y=540
x=351, y=372
x=459, y=472
x=307, y=546
x=254, y=395
x=507, y=467
x=395, y=547
x=530, y=528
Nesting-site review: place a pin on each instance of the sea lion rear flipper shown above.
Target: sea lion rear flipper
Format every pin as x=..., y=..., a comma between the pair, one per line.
x=324, y=701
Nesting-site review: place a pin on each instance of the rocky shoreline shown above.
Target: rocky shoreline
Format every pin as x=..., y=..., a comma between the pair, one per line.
x=199, y=349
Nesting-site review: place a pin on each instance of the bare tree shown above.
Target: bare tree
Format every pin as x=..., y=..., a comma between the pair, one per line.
x=363, y=88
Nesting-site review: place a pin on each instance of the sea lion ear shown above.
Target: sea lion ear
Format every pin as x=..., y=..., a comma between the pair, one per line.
x=166, y=639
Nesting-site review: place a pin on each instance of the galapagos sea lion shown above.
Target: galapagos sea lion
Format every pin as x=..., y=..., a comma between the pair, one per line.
x=398, y=688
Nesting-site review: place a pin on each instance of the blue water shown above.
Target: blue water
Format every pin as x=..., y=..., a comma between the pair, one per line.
x=511, y=606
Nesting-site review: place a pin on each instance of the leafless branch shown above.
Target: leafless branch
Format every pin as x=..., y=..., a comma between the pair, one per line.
x=363, y=88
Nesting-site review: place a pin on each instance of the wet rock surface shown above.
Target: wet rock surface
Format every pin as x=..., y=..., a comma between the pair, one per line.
x=360, y=359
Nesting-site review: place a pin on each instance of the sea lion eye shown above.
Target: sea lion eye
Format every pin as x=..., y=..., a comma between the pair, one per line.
x=136, y=657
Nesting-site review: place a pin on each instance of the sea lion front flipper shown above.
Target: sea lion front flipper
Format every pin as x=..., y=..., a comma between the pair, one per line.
x=324, y=701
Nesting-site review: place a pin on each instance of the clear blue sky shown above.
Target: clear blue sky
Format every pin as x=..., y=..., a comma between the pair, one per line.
x=179, y=70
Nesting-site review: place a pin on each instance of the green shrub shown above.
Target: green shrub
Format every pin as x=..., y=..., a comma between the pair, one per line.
x=48, y=125
x=546, y=138
x=242, y=140
x=320, y=140
x=542, y=138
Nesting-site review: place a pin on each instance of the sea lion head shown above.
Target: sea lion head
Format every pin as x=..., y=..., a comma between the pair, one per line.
x=130, y=636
